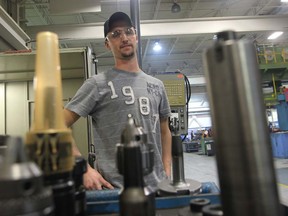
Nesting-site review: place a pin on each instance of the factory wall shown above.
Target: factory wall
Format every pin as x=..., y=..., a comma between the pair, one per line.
x=199, y=110
x=17, y=106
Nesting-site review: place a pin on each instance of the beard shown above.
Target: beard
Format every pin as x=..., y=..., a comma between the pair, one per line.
x=128, y=55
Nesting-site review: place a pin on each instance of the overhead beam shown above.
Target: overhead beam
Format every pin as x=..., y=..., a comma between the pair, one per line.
x=179, y=27
x=11, y=33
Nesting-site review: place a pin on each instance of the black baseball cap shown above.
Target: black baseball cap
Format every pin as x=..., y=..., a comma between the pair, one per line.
x=116, y=17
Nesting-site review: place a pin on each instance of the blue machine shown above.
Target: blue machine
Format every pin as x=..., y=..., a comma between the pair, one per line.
x=282, y=111
x=107, y=201
x=279, y=143
x=279, y=140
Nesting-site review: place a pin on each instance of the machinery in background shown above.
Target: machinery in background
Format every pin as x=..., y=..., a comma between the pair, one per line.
x=279, y=135
x=179, y=92
x=179, y=185
x=273, y=64
x=207, y=146
x=282, y=108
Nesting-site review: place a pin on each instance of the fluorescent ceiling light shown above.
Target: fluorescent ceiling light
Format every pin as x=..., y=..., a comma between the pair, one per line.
x=274, y=35
x=157, y=47
x=284, y=0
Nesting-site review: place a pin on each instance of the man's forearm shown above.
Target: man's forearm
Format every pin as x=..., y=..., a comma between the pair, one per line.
x=166, y=152
x=166, y=158
x=75, y=149
x=166, y=141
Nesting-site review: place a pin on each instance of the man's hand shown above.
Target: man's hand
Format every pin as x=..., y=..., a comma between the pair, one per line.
x=167, y=168
x=93, y=180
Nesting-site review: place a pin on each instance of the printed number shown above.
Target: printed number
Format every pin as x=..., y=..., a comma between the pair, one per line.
x=144, y=105
x=128, y=92
x=156, y=118
x=114, y=95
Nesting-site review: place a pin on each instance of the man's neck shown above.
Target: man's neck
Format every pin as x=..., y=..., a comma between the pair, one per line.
x=127, y=65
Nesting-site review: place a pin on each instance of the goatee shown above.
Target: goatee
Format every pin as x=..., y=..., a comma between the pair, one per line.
x=128, y=55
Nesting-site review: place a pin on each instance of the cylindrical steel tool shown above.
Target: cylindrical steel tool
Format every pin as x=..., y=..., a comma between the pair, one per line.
x=80, y=193
x=133, y=200
x=22, y=190
x=195, y=207
x=243, y=150
x=179, y=185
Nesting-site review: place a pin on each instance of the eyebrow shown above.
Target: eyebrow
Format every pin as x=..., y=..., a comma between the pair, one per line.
x=120, y=28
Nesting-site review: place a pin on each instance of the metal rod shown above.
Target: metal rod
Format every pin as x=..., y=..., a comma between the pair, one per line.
x=177, y=164
x=135, y=16
x=243, y=148
x=274, y=86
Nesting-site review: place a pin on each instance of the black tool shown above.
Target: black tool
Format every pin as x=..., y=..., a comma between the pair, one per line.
x=22, y=191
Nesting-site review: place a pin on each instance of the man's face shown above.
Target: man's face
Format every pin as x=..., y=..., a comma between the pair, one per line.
x=122, y=41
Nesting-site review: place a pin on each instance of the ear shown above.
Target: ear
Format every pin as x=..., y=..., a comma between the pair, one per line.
x=107, y=45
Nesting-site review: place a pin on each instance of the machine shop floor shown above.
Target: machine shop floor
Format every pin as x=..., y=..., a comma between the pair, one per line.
x=203, y=168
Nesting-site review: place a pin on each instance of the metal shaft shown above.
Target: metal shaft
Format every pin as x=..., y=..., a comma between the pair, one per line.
x=135, y=16
x=132, y=200
x=177, y=161
x=243, y=150
x=22, y=190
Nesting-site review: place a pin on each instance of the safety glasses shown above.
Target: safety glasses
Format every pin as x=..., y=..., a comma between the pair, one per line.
x=129, y=31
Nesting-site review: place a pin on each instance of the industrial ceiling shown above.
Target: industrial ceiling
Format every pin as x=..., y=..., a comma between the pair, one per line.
x=183, y=35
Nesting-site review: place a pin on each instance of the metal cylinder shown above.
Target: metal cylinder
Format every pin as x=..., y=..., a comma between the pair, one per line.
x=195, y=207
x=135, y=16
x=22, y=190
x=213, y=210
x=179, y=185
x=243, y=149
x=197, y=204
x=63, y=189
x=132, y=199
x=177, y=161
x=80, y=193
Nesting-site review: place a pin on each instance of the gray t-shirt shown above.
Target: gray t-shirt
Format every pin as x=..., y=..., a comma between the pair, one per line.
x=109, y=97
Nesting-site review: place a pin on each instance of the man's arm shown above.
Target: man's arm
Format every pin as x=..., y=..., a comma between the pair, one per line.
x=92, y=178
x=166, y=141
x=70, y=118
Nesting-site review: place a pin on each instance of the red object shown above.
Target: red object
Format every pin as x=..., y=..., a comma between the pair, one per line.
x=286, y=93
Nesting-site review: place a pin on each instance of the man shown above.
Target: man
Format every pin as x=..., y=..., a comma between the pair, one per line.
x=109, y=97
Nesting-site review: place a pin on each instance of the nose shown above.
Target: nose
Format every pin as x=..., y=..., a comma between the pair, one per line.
x=123, y=36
